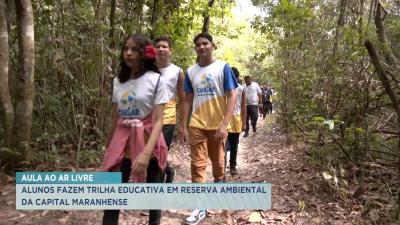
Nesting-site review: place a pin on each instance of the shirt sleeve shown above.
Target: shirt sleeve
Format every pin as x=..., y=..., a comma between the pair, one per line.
x=115, y=83
x=258, y=89
x=161, y=96
x=230, y=82
x=187, y=85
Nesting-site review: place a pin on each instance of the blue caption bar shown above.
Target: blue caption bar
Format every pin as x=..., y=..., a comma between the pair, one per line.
x=68, y=177
x=234, y=196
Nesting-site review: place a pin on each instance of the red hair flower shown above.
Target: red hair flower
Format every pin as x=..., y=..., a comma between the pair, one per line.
x=150, y=52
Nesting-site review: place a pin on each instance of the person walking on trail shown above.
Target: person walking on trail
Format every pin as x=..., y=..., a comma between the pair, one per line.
x=173, y=76
x=135, y=145
x=237, y=125
x=253, y=99
x=210, y=90
x=267, y=97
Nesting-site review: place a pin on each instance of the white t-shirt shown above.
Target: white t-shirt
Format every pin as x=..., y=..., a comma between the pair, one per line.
x=136, y=98
x=238, y=106
x=171, y=75
x=236, y=119
x=252, y=91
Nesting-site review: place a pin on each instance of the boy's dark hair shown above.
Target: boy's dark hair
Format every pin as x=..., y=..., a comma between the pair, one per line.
x=236, y=72
x=247, y=77
x=163, y=38
x=148, y=64
x=203, y=35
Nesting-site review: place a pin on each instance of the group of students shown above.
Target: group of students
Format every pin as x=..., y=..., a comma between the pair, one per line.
x=258, y=102
x=144, y=107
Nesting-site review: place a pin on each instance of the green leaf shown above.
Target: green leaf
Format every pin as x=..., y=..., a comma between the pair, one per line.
x=318, y=118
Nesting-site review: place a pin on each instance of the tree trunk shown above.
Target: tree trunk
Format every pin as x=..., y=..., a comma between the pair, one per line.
x=10, y=13
x=112, y=19
x=340, y=24
x=154, y=19
x=6, y=109
x=24, y=97
x=381, y=30
x=206, y=15
x=138, y=15
x=360, y=22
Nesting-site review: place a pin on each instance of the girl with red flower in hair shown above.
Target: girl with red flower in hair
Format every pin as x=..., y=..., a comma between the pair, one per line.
x=135, y=145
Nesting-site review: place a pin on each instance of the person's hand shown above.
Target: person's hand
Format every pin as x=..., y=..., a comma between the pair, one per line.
x=183, y=134
x=141, y=163
x=221, y=132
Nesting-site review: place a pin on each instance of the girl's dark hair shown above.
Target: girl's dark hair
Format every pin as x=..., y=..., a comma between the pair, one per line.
x=147, y=64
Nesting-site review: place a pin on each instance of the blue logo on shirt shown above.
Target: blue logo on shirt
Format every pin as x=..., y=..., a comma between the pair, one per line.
x=207, y=85
x=129, y=110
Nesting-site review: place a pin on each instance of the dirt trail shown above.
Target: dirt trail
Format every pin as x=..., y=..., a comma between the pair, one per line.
x=298, y=196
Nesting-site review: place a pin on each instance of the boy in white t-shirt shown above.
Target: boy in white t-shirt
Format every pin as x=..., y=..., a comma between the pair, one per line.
x=173, y=77
x=210, y=90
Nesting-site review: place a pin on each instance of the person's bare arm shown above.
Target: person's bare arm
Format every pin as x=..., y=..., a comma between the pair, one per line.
x=231, y=100
x=114, y=118
x=187, y=104
x=260, y=103
x=243, y=111
x=181, y=94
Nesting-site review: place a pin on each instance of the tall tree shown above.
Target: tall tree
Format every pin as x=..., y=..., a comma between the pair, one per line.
x=206, y=15
x=25, y=84
x=6, y=108
x=381, y=31
x=112, y=19
x=153, y=22
x=340, y=24
x=138, y=14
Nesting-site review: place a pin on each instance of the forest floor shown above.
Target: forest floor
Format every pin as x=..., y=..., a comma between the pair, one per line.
x=300, y=196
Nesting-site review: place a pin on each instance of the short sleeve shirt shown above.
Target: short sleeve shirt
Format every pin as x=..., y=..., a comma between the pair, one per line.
x=252, y=91
x=171, y=76
x=136, y=98
x=236, y=119
x=208, y=85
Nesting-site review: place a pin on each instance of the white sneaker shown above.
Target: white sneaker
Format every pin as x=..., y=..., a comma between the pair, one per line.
x=195, y=217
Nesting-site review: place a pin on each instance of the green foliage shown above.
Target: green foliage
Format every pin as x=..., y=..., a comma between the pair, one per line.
x=329, y=95
x=76, y=61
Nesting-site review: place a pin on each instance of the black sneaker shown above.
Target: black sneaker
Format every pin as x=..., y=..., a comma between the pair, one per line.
x=234, y=171
x=246, y=135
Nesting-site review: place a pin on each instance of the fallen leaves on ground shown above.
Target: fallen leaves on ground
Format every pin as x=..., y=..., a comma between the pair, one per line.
x=299, y=194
